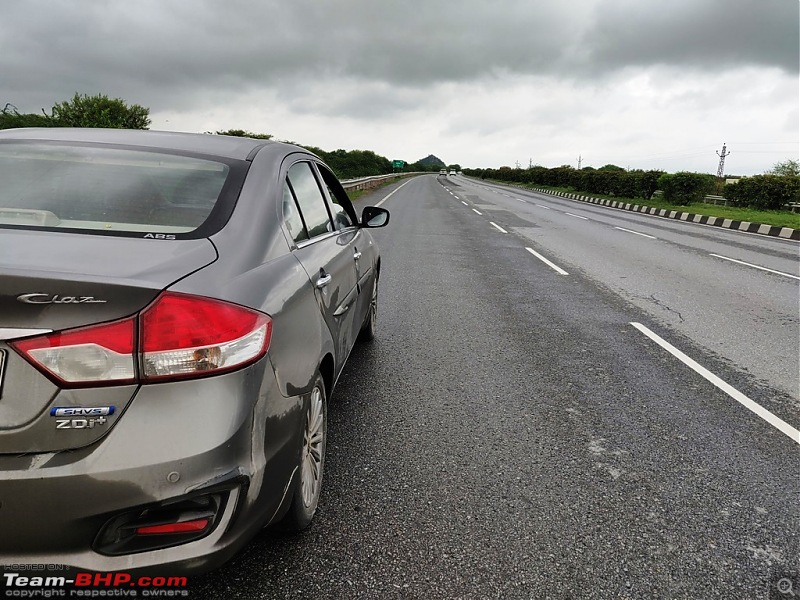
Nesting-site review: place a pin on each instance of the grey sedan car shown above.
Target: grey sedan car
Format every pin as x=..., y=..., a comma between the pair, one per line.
x=175, y=310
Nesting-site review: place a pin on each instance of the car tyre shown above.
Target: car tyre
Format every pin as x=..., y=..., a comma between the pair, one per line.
x=311, y=467
x=370, y=326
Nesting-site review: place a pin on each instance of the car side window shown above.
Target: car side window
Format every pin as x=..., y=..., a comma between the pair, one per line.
x=310, y=200
x=291, y=216
x=341, y=216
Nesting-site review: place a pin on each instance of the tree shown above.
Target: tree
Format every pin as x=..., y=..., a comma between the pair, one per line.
x=10, y=118
x=243, y=133
x=100, y=111
x=786, y=168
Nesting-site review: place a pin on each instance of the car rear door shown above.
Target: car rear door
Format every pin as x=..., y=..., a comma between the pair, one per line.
x=325, y=253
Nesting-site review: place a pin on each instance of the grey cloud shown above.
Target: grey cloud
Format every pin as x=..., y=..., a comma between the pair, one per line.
x=178, y=55
x=172, y=55
x=351, y=98
x=710, y=35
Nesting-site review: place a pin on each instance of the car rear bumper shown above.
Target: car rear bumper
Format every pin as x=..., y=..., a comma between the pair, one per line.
x=234, y=436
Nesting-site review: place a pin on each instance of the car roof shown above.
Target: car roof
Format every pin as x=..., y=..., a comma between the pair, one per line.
x=201, y=143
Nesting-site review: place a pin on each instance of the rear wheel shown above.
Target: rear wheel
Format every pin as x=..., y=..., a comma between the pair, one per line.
x=312, y=462
x=370, y=326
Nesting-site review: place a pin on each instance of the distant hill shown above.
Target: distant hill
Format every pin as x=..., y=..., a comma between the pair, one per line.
x=432, y=161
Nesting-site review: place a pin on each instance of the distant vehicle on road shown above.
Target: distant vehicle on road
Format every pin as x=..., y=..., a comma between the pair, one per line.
x=452, y=172
x=442, y=171
x=176, y=310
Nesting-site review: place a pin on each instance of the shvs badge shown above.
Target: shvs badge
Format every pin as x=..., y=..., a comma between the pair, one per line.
x=80, y=417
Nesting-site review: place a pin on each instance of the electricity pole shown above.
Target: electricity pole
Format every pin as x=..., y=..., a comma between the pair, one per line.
x=580, y=160
x=721, y=168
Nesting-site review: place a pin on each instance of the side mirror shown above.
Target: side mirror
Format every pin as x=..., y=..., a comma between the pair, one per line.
x=374, y=216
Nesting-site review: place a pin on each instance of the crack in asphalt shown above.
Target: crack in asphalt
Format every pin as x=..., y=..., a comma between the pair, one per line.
x=660, y=304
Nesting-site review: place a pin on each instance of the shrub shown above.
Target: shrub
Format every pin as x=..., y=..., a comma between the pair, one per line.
x=684, y=188
x=10, y=118
x=766, y=192
x=100, y=111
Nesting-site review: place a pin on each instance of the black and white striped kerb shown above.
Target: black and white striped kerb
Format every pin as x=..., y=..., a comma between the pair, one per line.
x=781, y=232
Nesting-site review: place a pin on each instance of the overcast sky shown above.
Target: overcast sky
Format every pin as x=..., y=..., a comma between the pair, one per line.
x=484, y=83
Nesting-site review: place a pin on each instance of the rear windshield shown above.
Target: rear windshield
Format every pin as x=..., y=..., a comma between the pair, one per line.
x=105, y=189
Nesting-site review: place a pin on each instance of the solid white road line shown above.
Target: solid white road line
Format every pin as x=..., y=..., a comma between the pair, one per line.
x=741, y=262
x=762, y=412
x=496, y=226
x=576, y=216
x=477, y=211
x=635, y=232
x=547, y=262
x=390, y=194
x=464, y=203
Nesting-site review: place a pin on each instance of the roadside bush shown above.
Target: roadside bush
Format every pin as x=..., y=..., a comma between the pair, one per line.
x=766, y=192
x=100, y=111
x=684, y=188
x=536, y=175
x=648, y=182
x=559, y=176
x=612, y=182
x=348, y=164
x=609, y=181
x=10, y=118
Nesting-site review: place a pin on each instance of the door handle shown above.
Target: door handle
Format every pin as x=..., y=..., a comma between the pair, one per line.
x=323, y=280
x=357, y=255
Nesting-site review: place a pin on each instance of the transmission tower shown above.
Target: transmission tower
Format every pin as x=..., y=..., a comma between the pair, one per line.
x=721, y=168
x=580, y=161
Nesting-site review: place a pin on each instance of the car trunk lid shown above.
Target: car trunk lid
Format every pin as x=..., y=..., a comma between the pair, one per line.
x=51, y=281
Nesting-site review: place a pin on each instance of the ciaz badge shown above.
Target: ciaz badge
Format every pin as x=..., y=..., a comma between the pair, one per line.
x=79, y=417
x=39, y=298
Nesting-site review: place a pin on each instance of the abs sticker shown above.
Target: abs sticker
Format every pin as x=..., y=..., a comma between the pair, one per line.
x=79, y=417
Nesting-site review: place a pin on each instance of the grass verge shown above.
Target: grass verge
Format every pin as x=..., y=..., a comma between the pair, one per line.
x=776, y=218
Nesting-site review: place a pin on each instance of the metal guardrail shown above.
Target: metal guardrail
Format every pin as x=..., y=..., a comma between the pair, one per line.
x=365, y=183
x=711, y=199
x=716, y=200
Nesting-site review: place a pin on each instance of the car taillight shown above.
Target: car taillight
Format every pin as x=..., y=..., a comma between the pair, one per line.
x=179, y=336
x=100, y=354
x=185, y=336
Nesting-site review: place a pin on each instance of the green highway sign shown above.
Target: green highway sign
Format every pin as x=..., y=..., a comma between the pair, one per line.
x=398, y=164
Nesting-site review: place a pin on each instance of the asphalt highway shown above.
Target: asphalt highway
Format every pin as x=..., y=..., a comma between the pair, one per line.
x=562, y=401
